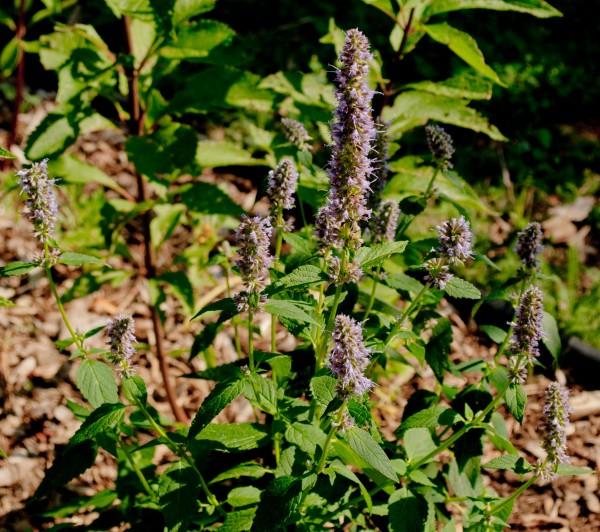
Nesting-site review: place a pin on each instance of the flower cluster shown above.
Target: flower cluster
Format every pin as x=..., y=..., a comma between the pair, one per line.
x=121, y=336
x=41, y=203
x=350, y=168
x=253, y=237
x=529, y=245
x=379, y=162
x=527, y=333
x=440, y=146
x=349, y=358
x=296, y=133
x=385, y=222
x=280, y=188
x=556, y=412
x=456, y=246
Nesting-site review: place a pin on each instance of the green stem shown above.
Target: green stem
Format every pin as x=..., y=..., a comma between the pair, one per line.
x=334, y=428
x=516, y=494
x=278, y=245
x=329, y=327
x=251, y=338
x=431, y=181
x=373, y=291
x=300, y=204
x=400, y=321
x=236, y=336
x=137, y=470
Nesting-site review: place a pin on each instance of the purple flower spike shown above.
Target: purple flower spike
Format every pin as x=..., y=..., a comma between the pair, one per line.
x=437, y=273
x=41, y=203
x=529, y=245
x=527, y=328
x=440, y=146
x=349, y=358
x=556, y=412
x=350, y=167
x=296, y=133
x=121, y=333
x=280, y=188
x=385, y=222
x=253, y=237
x=456, y=240
x=379, y=162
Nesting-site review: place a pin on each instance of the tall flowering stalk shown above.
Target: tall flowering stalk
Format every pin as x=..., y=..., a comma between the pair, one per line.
x=379, y=161
x=121, y=336
x=529, y=245
x=296, y=133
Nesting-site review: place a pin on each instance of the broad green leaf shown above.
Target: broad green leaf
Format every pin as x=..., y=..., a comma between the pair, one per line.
x=261, y=392
x=305, y=436
x=342, y=470
x=464, y=46
x=207, y=198
x=401, y=281
x=6, y=302
x=510, y=462
x=16, y=268
x=215, y=153
x=106, y=418
x=323, y=389
x=222, y=394
x=134, y=388
x=72, y=170
x=460, y=288
x=407, y=512
x=77, y=259
x=368, y=257
x=96, y=381
x=278, y=503
x=232, y=437
x=186, y=9
x=418, y=443
x=363, y=444
x=164, y=222
x=182, y=287
x=243, y=496
x=5, y=154
x=204, y=339
x=52, y=136
x=227, y=304
x=284, y=308
x=99, y=501
x=516, y=399
x=537, y=8
x=248, y=469
x=178, y=492
x=466, y=86
x=551, y=336
x=412, y=109
x=238, y=520
x=496, y=334
x=568, y=469
x=196, y=41
x=301, y=277
x=429, y=418
x=437, y=349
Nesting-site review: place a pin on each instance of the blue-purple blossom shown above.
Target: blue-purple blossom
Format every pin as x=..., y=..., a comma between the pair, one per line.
x=350, y=167
x=253, y=238
x=456, y=240
x=556, y=413
x=42, y=207
x=121, y=337
x=384, y=222
x=529, y=245
x=346, y=423
x=379, y=162
x=296, y=133
x=280, y=189
x=527, y=327
x=440, y=146
x=438, y=273
x=349, y=358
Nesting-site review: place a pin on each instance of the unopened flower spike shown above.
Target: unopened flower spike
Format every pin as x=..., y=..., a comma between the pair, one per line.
x=529, y=245
x=353, y=132
x=349, y=358
x=280, y=189
x=527, y=327
x=440, y=146
x=379, y=161
x=42, y=207
x=385, y=222
x=296, y=133
x=253, y=238
x=120, y=330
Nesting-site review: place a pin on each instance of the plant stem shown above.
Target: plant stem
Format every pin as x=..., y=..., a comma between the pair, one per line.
x=236, y=336
x=431, y=181
x=373, y=291
x=137, y=470
x=278, y=245
x=516, y=494
x=332, y=431
x=251, y=338
x=300, y=204
x=400, y=321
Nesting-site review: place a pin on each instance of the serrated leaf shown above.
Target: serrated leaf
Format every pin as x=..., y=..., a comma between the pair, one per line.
x=233, y=437
x=284, y=308
x=516, y=399
x=181, y=285
x=16, y=268
x=496, y=334
x=368, y=257
x=302, y=277
x=52, y=136
x=222, y=394
x=437, y=350
x=261, y=392
x=418, y=443
x=464, y=46
x=429, y=418
x=135, y=388
x=207, y=198
x=460, y=288
x=323, y=389
x=197, y=40
x=186, y=9
x=77, y=259
x=407, y=512
x=178, y=493
x=278, y=503
x=96, y=382
x=72, y=170
x=300, y=245
x=568, y=469
x=106, y=418
x=238, y=520
x=466, y=86
x=213, y=153
x=249, y=469
x=401, y=281
x=509, y=461
x=343, y=471
x=363, y=444
x=537, y=8
x=305, y=436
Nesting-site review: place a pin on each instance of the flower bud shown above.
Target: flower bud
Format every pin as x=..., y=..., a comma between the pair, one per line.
x=121, y=333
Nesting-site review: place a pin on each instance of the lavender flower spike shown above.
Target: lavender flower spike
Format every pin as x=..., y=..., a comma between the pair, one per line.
x=350, y=168
x=296, y=133
x=385, y=222
x=527, y=328
x=456, y=240
x=379, y=162
x=280, y=188
x=121, y=333
x=440, y=146
x=349, y=358
x=41, y=203
x=253, y=238
x=556, y=411
x=529, y=245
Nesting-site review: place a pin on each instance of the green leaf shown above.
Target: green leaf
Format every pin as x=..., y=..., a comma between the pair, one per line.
x=16, y=268
x=233, y=437
x=52, y=136
x=288, y=309
x=401, y=281
x=278, y=503
x=365, y=446
x=238, y=520
x=342, y=470
x=407, y=512
x=96, y=381
x=178, y=493
x=261, y=392
x=412, y=109
x=243, y=496
x=300, y=245
x=496, y=334
x=305, y=436
x=537, y=8
x=225, y=305
x=323, y=388
x=182, y=287
x=568, y=469
x=516, y=399
x=437, y=350
x=464, y=46
x=77, y=259
x=301, y=277
x=368, y=257
x=418, y=443
x=551, y=336
x=135, y=388
x=186, y=9
x=460, y=288
x=465, y=86
x=72, y=170
x=5, y=154
x=248, y=469
x=164, y=223
x=214, y=153
x=510, y=462
x=105, y=419
x=6, y=302
x=196, y=41
x=429, y=418
x=207, y=198
x=99, y=501
x=222, y=394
